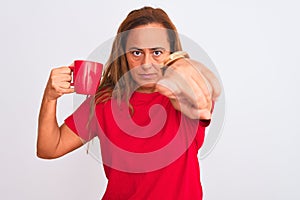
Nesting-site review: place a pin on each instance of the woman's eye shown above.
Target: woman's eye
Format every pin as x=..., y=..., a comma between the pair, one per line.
x=136, y=53
x=157, y=53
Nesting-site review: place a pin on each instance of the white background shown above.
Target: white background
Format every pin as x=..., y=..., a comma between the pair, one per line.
x=254, y=45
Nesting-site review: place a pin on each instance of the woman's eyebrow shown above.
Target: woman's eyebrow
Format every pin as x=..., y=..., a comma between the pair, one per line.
x=134, y=48
x=141, y=49
x=157, y=48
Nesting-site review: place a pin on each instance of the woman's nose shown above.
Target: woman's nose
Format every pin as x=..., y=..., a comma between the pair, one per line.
x=147, y=61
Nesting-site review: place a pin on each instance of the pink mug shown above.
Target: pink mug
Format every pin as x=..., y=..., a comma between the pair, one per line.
x=86, y=76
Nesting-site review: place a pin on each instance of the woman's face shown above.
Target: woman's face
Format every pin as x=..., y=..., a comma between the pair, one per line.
x=147, y=47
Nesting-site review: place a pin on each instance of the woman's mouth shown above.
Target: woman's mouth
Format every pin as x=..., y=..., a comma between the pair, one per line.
x=148, y=76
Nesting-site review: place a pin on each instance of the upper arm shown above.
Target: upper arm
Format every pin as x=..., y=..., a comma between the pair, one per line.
x=68, y=141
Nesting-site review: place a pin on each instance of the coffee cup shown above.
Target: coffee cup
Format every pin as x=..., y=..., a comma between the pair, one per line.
x=86, y=76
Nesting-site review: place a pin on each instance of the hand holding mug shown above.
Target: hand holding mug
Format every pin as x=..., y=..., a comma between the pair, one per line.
x=58, y=83
x=83, y=75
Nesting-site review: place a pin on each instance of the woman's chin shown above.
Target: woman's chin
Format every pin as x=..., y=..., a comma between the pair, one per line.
x=147, y=88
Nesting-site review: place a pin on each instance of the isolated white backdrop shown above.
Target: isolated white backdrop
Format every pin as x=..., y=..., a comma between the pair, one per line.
x=254, y=45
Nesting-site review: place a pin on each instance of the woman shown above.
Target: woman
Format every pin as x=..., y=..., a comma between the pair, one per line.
x=150, y=119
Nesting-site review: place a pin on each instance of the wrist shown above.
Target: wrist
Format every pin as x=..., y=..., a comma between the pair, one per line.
x=173, y=58
x=49, y=99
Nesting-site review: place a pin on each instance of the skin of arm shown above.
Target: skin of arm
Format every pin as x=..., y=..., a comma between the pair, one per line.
x=54, y=141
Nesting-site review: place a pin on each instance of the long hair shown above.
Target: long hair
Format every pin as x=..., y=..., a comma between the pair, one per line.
x=113, y=83
x=117, y=64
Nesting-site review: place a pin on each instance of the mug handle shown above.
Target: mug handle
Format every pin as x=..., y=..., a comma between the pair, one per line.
x=72, y=70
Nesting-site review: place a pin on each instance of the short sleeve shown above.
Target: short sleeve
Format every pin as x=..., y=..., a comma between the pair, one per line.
x=83, y=121
x=199, y=139
x=204, y=122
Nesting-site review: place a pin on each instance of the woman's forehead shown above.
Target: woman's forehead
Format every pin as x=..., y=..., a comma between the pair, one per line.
x=148, y=36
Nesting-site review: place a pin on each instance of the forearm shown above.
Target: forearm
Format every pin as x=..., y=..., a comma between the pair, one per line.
x=48, y=129
x=54, y=141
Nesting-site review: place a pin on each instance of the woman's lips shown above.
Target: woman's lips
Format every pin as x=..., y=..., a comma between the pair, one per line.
x=148, y=76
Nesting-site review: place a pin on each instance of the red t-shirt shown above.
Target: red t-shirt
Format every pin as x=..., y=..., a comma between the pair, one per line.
x=150, y=153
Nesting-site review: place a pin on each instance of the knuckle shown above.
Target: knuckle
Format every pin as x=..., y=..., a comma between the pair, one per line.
x=69, y=77
x=52, y=78
x=68, y=70
x=202, y=103
x=52, y=71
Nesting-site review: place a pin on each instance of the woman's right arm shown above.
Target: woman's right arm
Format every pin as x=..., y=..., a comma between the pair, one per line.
x=54, y=141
